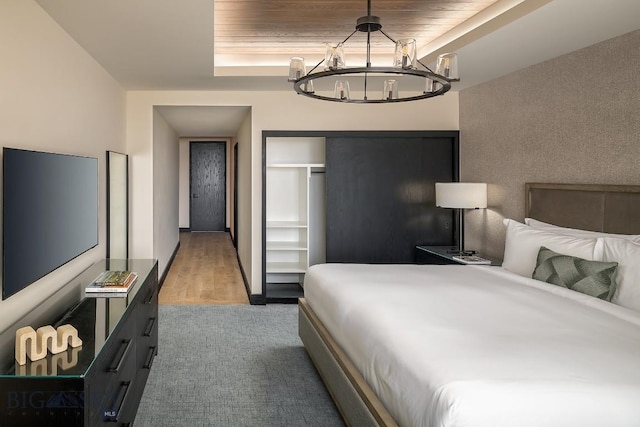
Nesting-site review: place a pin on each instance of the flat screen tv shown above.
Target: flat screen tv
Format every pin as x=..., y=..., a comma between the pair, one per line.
x=50, y=213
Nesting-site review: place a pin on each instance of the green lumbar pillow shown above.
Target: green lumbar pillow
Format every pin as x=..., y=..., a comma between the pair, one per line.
x=593, y=278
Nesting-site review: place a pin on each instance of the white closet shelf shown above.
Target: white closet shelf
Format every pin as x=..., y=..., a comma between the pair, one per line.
x=286, y=246
x=286, y=224
x=286, y=267
x=295, y=165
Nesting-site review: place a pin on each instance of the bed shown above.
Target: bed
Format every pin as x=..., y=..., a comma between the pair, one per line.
x=487, y=346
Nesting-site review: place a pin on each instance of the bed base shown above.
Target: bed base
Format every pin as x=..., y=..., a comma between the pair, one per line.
x=356, y=401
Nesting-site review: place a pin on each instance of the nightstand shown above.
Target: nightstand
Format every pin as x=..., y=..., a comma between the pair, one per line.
x=443, y=255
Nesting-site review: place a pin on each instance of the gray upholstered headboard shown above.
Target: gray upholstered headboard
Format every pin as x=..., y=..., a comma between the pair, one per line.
x=608, y=208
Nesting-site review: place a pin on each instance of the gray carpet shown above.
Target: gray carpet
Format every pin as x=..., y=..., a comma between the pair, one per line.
x=233, y=366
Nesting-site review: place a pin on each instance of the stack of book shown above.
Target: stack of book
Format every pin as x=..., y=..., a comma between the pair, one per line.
x=111, y=284
x=471, y=259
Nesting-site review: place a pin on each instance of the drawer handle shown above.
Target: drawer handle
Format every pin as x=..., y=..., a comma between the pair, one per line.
x=121, y=355
x=150, y=326
x=111, y=415
x=150, y=296
x=150, y=358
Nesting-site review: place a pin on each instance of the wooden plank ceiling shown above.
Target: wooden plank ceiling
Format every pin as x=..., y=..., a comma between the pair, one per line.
x=291, y=27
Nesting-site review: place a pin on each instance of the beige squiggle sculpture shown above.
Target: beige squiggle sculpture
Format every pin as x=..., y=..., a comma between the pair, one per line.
x=64, y=360
x=45, y=338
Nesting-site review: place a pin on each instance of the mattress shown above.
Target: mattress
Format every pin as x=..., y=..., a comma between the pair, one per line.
x=480, y=346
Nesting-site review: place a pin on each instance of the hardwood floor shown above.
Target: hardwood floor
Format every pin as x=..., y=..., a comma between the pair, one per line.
x=204, y=271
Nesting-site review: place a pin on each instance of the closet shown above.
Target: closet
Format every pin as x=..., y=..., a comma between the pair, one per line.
x=351, y=196
x=294, y=214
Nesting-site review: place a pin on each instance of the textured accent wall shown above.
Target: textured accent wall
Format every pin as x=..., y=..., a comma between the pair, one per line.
x=572, y=119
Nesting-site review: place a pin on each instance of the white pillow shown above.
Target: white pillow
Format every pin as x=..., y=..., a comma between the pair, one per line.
x=539, y=225
x=522, y=244
x=627, y=255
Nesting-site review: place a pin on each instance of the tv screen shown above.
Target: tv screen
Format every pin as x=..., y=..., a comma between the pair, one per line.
x=50, y=210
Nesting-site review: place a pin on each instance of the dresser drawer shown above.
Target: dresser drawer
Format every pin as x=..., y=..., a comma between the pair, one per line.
x=116, y=364
x=119, y=406
x=109, y=393
x=147, y=329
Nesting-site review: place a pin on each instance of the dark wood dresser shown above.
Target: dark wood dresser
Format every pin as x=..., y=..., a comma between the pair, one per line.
x=101, y=382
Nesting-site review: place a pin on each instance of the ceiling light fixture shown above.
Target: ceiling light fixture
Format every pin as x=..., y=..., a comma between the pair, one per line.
x=404, y=65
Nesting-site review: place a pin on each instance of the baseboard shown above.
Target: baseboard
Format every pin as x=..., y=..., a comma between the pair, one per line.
x=166, y=270
x=227, y=229
x=257, y=299
x=184, y=229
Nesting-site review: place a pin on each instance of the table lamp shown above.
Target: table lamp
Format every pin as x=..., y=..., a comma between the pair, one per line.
x=461, y=195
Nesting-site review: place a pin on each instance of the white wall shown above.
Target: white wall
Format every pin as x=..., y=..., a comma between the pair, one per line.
x=243, y=239
x=56, y=98
x=270, y=111
x=184, y=220
x=165, y=191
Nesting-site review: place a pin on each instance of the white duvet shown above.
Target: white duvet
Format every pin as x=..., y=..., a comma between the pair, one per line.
x=480, y=346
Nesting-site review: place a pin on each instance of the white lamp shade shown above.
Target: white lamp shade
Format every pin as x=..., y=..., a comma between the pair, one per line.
x=461, y=195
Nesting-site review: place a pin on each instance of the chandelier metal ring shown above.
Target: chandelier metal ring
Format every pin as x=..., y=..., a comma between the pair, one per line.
x=445, y=84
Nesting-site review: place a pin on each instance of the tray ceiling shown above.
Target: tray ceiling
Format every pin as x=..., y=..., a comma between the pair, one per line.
x=262, y=32
x=169, y=44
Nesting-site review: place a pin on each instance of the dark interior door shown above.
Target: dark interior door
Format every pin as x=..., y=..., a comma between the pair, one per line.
x=208, y=186
x=381, y=196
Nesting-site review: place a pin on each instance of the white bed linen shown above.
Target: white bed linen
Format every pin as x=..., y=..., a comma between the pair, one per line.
x=480, y=346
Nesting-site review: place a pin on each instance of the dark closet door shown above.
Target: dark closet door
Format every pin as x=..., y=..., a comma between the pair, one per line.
x=208, y=186
x=381, y=196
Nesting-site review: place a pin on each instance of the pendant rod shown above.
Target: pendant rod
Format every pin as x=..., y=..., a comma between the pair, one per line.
x=369, y=48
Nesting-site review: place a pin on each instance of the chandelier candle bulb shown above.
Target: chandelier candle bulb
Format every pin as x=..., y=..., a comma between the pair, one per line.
x=308, y=86
x=342, y=90
x=296, y=68
x=447, y=66
x=390, y=90
x=431, y=86
x=334, y=58
x=446, y=69
x=405, y=54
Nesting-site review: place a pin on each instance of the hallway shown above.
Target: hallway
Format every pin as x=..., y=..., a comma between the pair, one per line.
x=204, y=271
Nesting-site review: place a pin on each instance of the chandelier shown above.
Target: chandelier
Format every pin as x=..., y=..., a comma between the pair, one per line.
x=405, y=65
